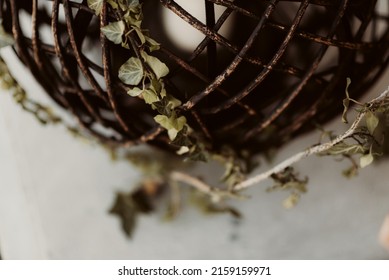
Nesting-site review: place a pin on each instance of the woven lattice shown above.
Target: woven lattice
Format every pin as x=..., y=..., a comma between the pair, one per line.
x=280, y=70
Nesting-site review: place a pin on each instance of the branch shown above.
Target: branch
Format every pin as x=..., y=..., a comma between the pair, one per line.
x=216, y=194
x=315, y=149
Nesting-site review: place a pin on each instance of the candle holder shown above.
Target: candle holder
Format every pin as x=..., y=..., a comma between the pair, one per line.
x=280, y=71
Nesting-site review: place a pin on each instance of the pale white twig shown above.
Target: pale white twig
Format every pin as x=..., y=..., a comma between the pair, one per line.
x=215, y=193
x=312, y=150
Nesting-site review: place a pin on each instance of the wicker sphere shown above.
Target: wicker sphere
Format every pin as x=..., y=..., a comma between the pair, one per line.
x=280, y=69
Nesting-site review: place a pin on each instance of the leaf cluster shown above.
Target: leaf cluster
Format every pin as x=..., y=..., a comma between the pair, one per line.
x=367, y=140
x=145, y=73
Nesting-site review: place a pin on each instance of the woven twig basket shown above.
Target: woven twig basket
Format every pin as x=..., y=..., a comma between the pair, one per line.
x=281, y=69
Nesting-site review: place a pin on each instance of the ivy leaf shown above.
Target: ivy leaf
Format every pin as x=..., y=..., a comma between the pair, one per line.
x=173, y=102
x=114, y=31
x=346, y=102
x=152, y=44
x=132, y=3
x=159, y=68
x=182, y=138
x=162, y=107
x=132, y=20
x=164, y=121
x=173, y=125
x=96, y=5
x=366, y=160
x=150, y=96
x=156, y=85
x=113, y=4
x=131, y=72
x=371, y=121
x=134, y=92
x=140, y=34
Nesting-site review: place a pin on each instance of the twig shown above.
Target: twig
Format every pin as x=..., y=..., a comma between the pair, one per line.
x=312, y=150
x=216, y=194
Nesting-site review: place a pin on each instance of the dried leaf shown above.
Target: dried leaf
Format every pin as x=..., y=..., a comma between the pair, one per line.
x=366, y=160
x=140, y=34
x=114, y=31
x=131, y=72
x=372, y=121
x=343, y=148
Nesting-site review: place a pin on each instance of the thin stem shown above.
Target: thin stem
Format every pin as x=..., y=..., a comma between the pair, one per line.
x=312, y=150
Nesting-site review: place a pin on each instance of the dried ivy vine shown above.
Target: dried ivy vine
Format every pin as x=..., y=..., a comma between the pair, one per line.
x=7, y=82
x=145, y=73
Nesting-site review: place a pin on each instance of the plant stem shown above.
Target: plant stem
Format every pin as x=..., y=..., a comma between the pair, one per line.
x=312, y=150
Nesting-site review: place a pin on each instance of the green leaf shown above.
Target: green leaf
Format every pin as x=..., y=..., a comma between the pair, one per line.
x=113, y=4
x=132, y=3
x=135, y=91
x=96, y=5
x=131, y=72
x=152, y=44
x=140, y=34
x=346, y=102
x=150, y=96
x=162, y=108
x=366, y=160
x=159, y=68
x=131, y=20
x=164, y=121
x=371, y=121
x=182, y=138
x=114, y=31
x=156, y=85
x=173, y=125
x=173, y=102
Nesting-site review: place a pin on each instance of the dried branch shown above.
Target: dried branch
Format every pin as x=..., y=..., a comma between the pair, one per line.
x=317, y=149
